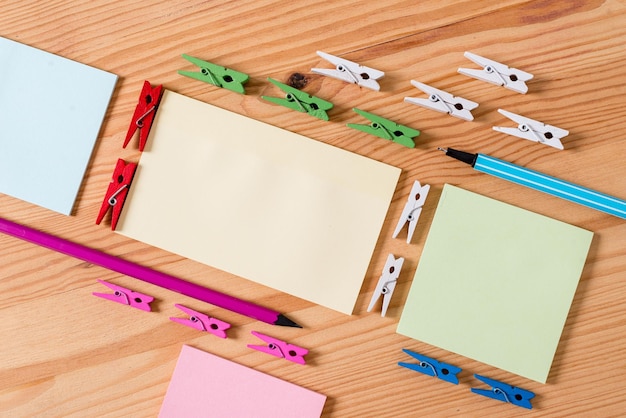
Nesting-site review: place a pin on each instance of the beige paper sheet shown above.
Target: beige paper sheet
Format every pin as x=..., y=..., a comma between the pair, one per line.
x=258, y=201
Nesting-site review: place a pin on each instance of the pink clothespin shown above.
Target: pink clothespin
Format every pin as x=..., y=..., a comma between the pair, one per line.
x=202, y=322
x=280, y=348
x=126, y=297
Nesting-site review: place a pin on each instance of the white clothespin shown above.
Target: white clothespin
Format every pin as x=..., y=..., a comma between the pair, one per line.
x=496, y=73
x=350, y=72
x=387, y=283
x=412, y=209
x=443, y=102
x=533, y=130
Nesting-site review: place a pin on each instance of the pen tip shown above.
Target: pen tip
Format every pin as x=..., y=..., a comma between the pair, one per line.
x=286, y=322
x=442, y=149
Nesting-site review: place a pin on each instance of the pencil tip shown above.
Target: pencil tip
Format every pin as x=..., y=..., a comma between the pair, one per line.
x=286, y=322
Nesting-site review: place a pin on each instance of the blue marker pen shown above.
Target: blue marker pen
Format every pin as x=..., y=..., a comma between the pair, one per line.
x=542, y=182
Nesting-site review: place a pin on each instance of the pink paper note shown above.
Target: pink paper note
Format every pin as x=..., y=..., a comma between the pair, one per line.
x=205, y=385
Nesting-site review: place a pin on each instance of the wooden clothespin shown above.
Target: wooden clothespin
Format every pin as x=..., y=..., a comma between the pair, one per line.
x=505, y=393
x=217, y=75
x=533, y=130
x=202, y=322
x=280, y=348
x=144, y=113
x=386, y=129
x=350, y=72
x=117, y=191
x=495, y=73
x=444, y=102
x=300, y=101
x=126, y=297
x=432, y=367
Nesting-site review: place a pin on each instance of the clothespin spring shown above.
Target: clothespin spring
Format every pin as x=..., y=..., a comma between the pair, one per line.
x=112, y=199
x=119, y=293
x=425, y=364
x=301, y=105
x=139, y=122
x=385, y=289
x=214, y=80
x=377, y=125
x=273, y=346
x=489, y=69
x=499, y=391
x=410, y=216
x=525, y=128
x=196, y=320
x=436, y=99
x=351, y=74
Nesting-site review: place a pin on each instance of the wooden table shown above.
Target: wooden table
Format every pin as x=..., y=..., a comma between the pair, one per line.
x=63, y=354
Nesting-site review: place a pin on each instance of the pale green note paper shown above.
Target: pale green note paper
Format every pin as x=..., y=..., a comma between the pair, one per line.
x=495, y=283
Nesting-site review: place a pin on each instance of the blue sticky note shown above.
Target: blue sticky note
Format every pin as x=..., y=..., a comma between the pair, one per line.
x=51, y=111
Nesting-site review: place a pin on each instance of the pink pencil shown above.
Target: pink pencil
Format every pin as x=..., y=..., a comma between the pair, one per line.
x=146, y=274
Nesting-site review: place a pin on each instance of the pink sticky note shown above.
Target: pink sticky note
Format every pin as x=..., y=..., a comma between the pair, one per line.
x=205, y=385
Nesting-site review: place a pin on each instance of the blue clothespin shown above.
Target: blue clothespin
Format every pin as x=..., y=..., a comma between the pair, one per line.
x=386, y=129
x=216, y=75
x=300, y=101
x=505, y=393
x=432, y=367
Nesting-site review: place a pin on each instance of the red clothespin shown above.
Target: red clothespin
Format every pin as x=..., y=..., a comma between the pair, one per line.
x=117, y=191
x=280, y=348
x=202, y=322
x=144, y=113
x=126, y=297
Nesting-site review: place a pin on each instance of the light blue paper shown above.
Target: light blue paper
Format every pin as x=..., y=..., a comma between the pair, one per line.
x=51, y=111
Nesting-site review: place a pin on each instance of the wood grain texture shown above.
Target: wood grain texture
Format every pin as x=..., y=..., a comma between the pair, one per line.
x=66, y=353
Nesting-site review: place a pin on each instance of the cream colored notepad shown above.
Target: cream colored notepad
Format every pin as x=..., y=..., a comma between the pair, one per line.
x=259, y=202
x=495, y=283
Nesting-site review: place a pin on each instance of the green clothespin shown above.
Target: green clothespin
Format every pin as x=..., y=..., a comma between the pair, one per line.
x=386, y=129
x=216, y=75
x=300, y=101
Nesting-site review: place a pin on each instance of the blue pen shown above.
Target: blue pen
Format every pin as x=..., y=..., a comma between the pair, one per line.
x=542, y=182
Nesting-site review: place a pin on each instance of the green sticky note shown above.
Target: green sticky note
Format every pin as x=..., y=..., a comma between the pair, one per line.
x=495, y=283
